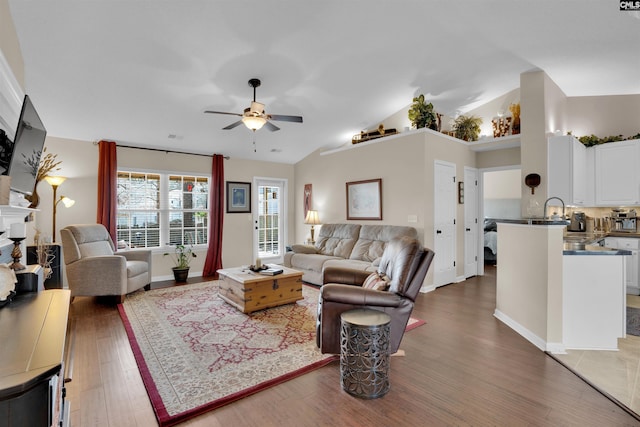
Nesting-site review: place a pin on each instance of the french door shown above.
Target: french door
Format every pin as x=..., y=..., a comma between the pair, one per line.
x=269, y=219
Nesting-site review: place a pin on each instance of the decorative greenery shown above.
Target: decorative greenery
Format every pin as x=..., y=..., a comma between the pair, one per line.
x=182, y=256
x=467, y=128
x=422, y=114
x=47, y=163
x=515, y=111
x=592, y=140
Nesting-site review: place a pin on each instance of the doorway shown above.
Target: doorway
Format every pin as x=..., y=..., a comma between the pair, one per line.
x=270, y=219
x=500, y=195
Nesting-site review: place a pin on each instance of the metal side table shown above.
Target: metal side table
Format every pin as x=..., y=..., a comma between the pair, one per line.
x=364, y=353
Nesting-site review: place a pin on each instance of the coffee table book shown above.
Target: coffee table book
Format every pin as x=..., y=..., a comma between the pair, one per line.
x=248, y=291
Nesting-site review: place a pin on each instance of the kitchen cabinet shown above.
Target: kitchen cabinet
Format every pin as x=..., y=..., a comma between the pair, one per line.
x=567, y=170
x=633, y=262
x=617, y=180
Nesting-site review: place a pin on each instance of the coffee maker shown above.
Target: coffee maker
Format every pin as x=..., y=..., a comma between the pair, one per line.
x=578, y=222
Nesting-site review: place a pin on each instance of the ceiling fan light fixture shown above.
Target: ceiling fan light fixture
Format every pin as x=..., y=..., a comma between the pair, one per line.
x=254, y=123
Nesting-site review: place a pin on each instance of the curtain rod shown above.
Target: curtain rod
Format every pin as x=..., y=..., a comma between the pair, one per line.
x=163, y=150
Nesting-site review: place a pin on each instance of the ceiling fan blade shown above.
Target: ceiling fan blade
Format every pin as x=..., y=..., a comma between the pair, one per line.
x=223, y=112
x=271, y=126
x=233, y=125
x=295, y=119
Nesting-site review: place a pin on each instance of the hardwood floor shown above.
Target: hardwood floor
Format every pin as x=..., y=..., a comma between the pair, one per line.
x=463, y=368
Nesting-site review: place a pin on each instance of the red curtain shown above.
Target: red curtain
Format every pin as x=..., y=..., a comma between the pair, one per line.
x=107, y=182
x=213, y=261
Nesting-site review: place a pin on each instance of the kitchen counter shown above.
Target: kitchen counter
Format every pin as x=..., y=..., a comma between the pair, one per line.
x=549, y=296
x=577, y=243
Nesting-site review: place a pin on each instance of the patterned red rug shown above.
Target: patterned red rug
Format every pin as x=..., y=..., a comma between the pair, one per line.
x=196, y=353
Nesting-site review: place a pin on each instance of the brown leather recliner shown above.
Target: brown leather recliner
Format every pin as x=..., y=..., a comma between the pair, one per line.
x=404, y=261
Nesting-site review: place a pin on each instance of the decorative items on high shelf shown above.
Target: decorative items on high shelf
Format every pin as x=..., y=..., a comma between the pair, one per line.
x=422, y=114
x=592, y=140
x=182, y=256
x=368, y=135
x=515, y=114
x=48, y=163
x=467, y=128
x=501, y=126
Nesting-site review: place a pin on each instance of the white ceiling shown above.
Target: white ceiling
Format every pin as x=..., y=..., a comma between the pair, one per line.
x=139, y=71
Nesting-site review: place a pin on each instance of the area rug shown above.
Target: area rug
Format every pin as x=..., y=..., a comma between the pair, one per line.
x=633, y=321
x=196, y=353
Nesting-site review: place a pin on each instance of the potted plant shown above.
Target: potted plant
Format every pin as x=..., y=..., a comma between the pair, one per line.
x=422, y=114
x=467, y=128
x=182, y=257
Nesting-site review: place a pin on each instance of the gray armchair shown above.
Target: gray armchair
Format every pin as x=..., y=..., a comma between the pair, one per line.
x=94, y=268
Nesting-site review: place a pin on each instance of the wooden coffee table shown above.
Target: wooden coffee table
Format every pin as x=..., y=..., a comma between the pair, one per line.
x=248, y=291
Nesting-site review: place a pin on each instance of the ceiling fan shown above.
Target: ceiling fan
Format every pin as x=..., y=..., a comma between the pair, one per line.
x=254, y=117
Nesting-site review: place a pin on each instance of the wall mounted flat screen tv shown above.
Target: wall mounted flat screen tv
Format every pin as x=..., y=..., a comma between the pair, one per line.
x=27, y=149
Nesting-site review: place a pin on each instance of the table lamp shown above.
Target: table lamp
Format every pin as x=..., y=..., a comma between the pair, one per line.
x=312, y=219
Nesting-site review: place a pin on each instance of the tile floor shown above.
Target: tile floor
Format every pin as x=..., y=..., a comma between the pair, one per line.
x=615, y=372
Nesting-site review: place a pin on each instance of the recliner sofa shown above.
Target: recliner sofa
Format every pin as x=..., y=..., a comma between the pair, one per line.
x=351, y=246
x=404, y=265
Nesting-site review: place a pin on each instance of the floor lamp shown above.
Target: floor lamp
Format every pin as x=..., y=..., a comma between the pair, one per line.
x=55, y=182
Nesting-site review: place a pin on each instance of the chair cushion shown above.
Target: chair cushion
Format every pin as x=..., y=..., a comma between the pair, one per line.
x=373, y=239
x=337, y=239
x=377, y=282
x=135, y=268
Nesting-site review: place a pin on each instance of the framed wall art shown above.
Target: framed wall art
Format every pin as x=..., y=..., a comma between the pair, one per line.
x=307, y=199
x=364, y=199
x=238, y=197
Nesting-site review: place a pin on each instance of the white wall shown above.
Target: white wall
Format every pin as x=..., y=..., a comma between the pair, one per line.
x=501, y=190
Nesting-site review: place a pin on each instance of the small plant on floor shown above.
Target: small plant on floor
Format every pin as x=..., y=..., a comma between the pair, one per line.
x=182, y=256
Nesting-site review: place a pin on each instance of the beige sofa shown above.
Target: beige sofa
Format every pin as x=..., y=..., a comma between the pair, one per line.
x=344, y=245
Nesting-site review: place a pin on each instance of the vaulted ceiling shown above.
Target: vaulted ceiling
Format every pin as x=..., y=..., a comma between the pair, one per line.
x=143, y=72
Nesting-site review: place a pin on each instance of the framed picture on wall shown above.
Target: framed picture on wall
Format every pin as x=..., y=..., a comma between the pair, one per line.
x=307, y=199
x=364, y=199
x=238, y=197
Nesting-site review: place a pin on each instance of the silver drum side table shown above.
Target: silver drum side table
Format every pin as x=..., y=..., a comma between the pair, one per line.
x=364, y=353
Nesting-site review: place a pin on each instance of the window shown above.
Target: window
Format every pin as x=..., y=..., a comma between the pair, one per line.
x=158, y=209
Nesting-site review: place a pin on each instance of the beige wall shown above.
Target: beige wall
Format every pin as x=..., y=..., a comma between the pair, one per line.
x=603, y=115
x=9, y=42
x=80, y=163
x=406, y=165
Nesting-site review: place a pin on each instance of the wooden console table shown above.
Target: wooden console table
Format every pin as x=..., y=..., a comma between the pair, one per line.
x=33, y=330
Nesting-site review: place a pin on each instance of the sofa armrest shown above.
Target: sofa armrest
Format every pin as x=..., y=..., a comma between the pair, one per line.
x=346, y=276
x=304, y=249
x=353, y=295
x=136, y=255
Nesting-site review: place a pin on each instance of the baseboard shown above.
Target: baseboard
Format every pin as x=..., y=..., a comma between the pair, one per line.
x=527, y=334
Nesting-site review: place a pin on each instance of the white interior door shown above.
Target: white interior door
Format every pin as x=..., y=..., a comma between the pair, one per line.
x=471, y=223
x=270, y=219
x=444, y=222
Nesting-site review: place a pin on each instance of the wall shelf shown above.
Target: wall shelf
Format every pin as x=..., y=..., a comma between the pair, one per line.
x=485, y=144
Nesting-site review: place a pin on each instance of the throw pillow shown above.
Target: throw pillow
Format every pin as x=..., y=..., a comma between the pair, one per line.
x=377, y=282
x=304, y=249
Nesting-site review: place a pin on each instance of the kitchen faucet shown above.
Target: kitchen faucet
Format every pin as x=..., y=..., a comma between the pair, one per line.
x=544, y=213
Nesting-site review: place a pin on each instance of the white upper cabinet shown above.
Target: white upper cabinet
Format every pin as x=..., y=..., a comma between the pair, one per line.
x=567, y=170
x=617, y=182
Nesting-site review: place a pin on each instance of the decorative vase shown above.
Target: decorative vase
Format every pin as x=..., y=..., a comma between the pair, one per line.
x=515, y=127
x=34, y=198
x=180, y=274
